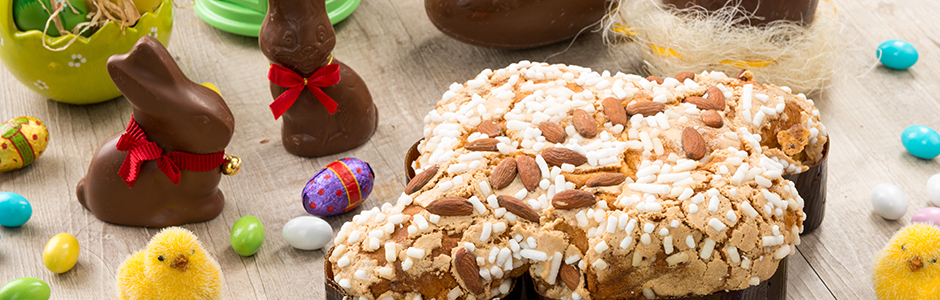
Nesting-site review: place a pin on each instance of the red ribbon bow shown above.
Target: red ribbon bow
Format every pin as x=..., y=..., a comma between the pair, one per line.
x=139, y=150
x=284, y=77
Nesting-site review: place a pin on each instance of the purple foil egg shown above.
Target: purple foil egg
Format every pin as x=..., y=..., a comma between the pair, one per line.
x=930, y=215
x=339, y=187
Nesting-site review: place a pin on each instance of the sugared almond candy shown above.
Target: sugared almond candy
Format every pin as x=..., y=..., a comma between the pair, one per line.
x=504, y=173
x=645, y=108
x=490, y=129
x=712, y=118
x=614, y=111
x=487, y=144
x=654, y=78
x=450, y=206
x=584, y=123
x=556, y=156
x=466, y=266
x=572, y=199
x=420, y=180
x=692, y=143
x=716, y=97
x=606, y=179
x=570, y=276
x=529, y=172
x=683, y=75
x=518, y=208
x=553, y=132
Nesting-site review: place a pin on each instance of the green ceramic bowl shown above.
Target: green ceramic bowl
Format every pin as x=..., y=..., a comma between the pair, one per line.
x=78, y=74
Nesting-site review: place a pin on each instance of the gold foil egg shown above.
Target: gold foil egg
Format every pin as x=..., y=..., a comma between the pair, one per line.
x=22, y=141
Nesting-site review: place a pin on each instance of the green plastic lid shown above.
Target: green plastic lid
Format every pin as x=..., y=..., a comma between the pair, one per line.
x=244, y=17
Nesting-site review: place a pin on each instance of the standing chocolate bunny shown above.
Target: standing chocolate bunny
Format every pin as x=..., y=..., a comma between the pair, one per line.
x=164, y=170
x=326, y=106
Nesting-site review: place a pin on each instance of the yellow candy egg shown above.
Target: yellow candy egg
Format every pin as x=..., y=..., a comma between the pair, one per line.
x=61, y=253
x=22, y=141
x=211, y=87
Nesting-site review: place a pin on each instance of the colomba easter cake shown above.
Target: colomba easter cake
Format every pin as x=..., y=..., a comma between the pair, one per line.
x=599, y=185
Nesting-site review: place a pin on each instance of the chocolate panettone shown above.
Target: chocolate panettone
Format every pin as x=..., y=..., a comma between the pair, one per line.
x=600, y=186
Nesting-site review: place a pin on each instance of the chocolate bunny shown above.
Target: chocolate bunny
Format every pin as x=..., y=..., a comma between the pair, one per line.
x=323, y=113
x=164, y=169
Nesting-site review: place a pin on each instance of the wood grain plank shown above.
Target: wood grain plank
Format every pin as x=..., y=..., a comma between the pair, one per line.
x=407, y=64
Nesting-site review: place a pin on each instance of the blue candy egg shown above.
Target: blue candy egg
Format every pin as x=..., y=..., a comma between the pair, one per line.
x=14, y=209
x=897, y=54
x=921, y=141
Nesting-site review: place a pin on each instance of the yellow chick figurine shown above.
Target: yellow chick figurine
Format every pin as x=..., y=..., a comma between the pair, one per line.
x=907, y=267
x=173, y=266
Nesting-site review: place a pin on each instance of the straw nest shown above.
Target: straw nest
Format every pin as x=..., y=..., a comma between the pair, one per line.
x=670, y=41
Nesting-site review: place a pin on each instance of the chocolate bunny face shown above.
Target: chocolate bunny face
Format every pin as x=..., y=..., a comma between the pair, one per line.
x=176, y=113
x=297, y=34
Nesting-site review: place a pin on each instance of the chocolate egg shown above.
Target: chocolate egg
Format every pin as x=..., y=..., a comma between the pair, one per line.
x=514, y=24
x=22, y=141
x=339, y=187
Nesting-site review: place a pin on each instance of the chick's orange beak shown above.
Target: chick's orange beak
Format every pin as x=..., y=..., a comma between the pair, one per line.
x=180, y=263
x=916, y=264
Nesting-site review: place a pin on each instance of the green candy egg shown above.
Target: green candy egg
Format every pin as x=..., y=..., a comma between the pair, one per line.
x=30, y=15
x=25, y=288
x=247, y=235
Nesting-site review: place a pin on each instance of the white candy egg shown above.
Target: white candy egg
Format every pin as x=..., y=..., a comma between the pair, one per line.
x=307, y=233
x=889, y=201
x=933, y=189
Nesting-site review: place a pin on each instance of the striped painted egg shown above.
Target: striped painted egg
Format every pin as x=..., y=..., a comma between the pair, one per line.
x=22, y=141
x=339, y=187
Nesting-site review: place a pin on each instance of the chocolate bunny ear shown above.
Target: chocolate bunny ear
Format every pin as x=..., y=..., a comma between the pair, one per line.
x=159, y=92
x=149, y=77
x=148, y=64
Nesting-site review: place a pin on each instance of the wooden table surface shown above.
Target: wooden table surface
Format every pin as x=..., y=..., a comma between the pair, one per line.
x=408, y=64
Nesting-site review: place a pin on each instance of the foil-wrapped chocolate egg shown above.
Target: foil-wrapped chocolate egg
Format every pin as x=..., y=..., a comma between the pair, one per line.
x=339, y=187
x=22, y=141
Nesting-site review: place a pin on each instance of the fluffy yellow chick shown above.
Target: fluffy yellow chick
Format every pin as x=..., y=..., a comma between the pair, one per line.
x=907, y=267
x=173, y=266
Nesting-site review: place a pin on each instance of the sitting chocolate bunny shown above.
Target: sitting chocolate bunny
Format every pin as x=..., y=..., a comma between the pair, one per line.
x=164, y=170
x=326, y=106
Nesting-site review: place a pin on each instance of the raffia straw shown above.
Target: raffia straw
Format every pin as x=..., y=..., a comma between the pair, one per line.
x=125, y=14
x=671, y=41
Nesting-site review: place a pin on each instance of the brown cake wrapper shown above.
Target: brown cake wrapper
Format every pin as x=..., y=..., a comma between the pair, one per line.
x=410, y=157
x=812, y=187
x=333, y=290
x=774, y=288
x=518, y=291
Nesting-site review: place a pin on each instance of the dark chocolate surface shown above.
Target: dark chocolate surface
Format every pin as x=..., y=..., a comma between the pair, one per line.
x=514, y=24
x=765, y=11
x=178, y=115
x=299, y=36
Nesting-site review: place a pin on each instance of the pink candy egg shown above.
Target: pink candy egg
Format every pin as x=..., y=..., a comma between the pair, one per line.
x=929, y=215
